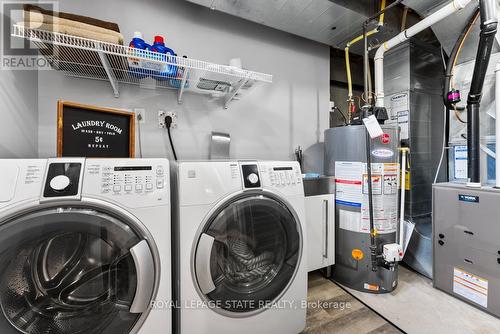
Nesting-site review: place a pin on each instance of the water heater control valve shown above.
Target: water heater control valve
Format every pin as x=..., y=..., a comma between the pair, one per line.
x=393, y=253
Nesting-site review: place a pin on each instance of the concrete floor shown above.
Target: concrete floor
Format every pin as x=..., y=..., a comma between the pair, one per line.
x=331, y=310
x=417, y=308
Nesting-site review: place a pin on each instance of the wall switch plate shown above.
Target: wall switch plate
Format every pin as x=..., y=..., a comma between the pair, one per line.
x=161, y=119
x=140, y=115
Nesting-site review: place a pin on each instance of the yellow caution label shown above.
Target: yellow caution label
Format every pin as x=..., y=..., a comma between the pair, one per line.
x=357, y=254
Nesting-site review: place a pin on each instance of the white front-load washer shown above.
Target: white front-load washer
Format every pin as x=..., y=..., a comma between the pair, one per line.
x=85, y=246
x=241, y=266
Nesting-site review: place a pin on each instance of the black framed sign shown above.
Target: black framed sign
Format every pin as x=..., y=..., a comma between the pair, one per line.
x=89, y=131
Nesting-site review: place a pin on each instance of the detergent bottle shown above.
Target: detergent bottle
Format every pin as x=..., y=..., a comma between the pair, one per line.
x=176, y=82
x=165, y=54
x=136, y=63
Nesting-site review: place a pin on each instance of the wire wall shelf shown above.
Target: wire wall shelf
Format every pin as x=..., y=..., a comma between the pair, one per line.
x=87, y=58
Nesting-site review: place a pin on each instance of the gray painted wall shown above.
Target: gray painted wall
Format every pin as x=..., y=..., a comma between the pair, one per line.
x=268, y=123
x=18, y=111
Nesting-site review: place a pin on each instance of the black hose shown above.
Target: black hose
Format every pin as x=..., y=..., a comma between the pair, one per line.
x=449, y=73
x=171, y=143
x=453, y=56
x=486, y=39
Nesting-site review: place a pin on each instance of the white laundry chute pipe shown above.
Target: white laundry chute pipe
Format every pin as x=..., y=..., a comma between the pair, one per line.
x=497, y=124
x=435, y=17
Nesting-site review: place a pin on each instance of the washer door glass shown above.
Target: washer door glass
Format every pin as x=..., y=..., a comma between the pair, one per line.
x=247, y=254
x=68, y=270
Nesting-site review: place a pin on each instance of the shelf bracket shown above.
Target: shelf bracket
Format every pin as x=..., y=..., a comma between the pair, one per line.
x=109, y=70
x=183, y=83
x=230, y=97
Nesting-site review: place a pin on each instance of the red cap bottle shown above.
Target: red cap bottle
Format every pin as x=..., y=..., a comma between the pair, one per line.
x=159, y=39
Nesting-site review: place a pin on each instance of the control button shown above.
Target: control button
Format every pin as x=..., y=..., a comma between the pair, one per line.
x=159, y=183
x=287, y=178
x=138, y=187
x=149, y=186
x=60, y=183
x=159, y=170
x=128, y=187
x=105, y=190
x=117, y=188
x=253, y=178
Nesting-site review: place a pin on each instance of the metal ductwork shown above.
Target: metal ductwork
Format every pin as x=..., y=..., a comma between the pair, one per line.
x=448, y=30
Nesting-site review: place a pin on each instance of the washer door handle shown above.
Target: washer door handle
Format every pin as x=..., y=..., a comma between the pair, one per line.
x=144, y=267
x=202, y=264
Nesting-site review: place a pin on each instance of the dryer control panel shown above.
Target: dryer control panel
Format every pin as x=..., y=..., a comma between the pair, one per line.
x=132, y=182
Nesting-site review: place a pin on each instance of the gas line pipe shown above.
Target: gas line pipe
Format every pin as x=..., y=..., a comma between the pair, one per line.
x=350, y=100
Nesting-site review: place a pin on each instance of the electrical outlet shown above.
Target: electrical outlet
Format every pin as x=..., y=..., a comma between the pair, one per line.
x=161, y=119
x=140, y=115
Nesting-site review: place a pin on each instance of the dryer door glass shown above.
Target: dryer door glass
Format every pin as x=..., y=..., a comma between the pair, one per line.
x=68, y=270
x=248, y=253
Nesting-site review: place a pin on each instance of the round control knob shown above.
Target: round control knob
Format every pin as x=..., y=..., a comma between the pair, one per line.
x=60, y=183
x=253, y=178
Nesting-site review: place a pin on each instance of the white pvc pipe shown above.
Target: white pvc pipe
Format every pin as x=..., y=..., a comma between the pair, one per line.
x=435, y=17
x=497, y=123
x=403, y=193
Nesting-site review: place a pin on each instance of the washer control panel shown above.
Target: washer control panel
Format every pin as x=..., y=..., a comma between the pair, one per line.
x=120, y=180
x=284, y=176
x=138, y=182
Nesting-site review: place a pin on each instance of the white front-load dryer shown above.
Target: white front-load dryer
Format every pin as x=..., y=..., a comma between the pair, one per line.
x=241, y=264
x=85, y=246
